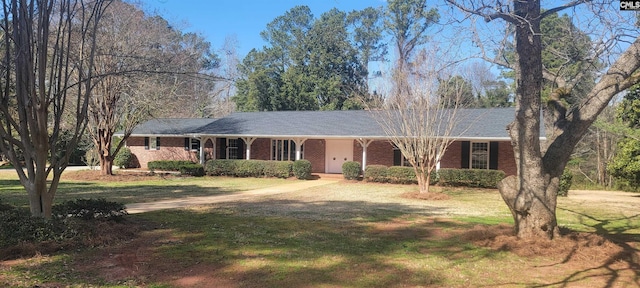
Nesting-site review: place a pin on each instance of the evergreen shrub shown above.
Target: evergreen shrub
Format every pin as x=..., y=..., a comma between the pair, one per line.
x=376, y=173
x=302, y=169
x=278, y=169
x=401, y=175
x=123, y=158
x=470, y=177
x=351, y=170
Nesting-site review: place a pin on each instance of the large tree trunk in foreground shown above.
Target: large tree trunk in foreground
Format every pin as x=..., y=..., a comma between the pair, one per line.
x=531, y=197
x=532, y=194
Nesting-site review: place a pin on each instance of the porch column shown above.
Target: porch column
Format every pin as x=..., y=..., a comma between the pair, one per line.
x=248, y=141
x=203, y=140
x=364, y=143
x=299, y=142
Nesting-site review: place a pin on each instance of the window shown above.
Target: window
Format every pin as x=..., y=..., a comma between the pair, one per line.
x=195, y=144
x=232, y=148
x=480, y=155
x=192, y=144
x=398, y=158
x=285, y=150
x=152, y=143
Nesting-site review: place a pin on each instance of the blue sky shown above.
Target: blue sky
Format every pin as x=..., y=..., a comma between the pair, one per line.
x=216, y=19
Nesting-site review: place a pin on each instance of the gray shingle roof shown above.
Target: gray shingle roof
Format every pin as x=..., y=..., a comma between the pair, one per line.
x=476, y=123
x=171, y=126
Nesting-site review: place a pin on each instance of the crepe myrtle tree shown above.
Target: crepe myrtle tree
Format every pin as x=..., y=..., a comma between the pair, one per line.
x=531, y=195
x=48, y=49
x=421, y=121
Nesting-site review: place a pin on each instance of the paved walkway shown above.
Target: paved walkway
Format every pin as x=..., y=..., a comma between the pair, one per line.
x=193, y=201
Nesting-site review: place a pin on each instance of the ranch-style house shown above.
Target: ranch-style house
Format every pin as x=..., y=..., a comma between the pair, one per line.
x=326, y=138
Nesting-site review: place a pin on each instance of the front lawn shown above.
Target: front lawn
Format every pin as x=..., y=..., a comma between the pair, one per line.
x=345, y=234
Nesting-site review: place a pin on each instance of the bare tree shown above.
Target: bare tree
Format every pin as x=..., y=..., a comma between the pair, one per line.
x=143, y=65
x=419, y=122
x=532, y=194
x=48, y=50
x=220, y=103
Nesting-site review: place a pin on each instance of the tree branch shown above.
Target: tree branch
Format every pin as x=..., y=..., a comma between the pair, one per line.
x=562, y=7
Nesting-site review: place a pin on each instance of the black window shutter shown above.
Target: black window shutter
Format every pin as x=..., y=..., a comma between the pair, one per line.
x=397, y=157
x=493, y=155
x=157, y=143
x=146, y=143
x=187, y=143
x=465, y=154
x=242, y=150
x=222, y=148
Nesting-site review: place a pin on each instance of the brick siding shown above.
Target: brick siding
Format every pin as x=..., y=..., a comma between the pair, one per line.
x=261, y=149
x=378, y=153
x=171, y=148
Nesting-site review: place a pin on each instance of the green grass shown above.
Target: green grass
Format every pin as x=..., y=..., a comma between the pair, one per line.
x=338, y=235
x=12, y=192
x=288, y=252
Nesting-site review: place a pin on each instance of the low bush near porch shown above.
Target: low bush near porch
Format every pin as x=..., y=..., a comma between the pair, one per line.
x=249, y=168
x=393, y=174
x=351, y=170
x=470, y=177
x=447, y=177
x=184, y=167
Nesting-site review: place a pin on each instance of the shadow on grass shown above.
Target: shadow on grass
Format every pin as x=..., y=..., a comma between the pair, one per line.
x=613, y=269
x=289, y=243
x=17, y=196
x=286, y=244
x=278, y=243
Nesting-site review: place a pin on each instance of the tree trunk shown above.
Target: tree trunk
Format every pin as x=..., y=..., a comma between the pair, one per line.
x=106, y=164
x=423, y=177
x=40, y=194
x=531, y=197
x=533, y=207
x=104, y=148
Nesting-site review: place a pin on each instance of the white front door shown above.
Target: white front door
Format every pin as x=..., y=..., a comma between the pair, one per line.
x=338, y=152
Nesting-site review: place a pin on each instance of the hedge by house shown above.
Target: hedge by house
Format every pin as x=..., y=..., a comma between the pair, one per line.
x=351, y=170
x=376, y=173
x=450, y=177
x=184, y=167
x=167, y=165
x=248, y=168
x=393, y=174
x=470, y=177
x=302, y=169
x=279, y=169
